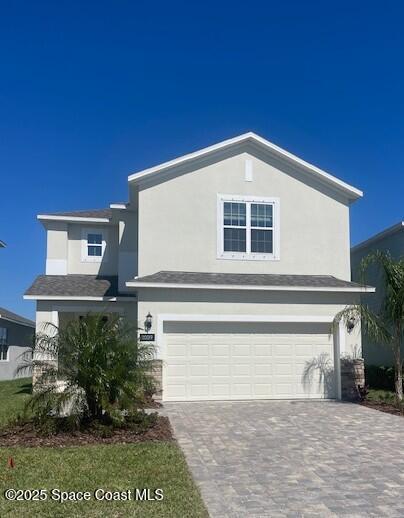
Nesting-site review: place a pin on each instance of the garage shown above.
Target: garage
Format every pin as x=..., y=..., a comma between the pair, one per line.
x=247, y=360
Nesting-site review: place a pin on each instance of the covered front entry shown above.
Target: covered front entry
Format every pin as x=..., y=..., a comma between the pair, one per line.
x=248, y=360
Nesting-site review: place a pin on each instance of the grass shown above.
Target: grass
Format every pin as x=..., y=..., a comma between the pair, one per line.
x=117, y=467
x=13, y=395
x=381, y=396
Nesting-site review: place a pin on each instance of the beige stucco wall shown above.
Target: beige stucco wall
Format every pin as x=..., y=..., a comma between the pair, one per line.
x=109, y=263
x=252, y=303
x=64, y=248
x=128, y=243
x=49, y=311
x=178, y=221
x=19, y=340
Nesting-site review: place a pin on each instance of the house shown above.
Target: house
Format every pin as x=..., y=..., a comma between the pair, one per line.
x=16, y=337
x=389, y=240
x=237, y=256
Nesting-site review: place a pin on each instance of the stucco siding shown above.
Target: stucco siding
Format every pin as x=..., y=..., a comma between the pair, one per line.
x=178, y=221
x=49, y=311
x=109, y=263
x=19, y=340
x=221, y=302
x=374, y=353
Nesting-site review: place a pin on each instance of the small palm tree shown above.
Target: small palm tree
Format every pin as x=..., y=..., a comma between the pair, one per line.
x=93, y=366
x=386, y=325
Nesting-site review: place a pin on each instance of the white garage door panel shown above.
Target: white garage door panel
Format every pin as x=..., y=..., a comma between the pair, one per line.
x=209, y=366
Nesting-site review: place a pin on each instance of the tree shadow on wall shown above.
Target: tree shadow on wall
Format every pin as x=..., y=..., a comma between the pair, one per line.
x=318, y=376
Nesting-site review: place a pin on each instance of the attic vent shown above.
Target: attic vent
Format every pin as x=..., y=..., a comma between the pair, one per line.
x=248, y=170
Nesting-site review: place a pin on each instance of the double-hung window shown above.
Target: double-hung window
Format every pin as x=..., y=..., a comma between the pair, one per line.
x=3, y=344
x=92, y=245
x=248, y=227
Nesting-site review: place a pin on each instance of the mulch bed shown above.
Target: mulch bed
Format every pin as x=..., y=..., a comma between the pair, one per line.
x=24, y=435
x=383, y=407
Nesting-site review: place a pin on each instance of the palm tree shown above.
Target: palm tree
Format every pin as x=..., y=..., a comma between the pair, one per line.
x=386, y=324
x=94, y=366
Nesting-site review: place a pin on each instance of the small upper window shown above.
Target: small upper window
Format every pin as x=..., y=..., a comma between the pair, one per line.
x=3, y=344
x=93, y=245
x=248, y=228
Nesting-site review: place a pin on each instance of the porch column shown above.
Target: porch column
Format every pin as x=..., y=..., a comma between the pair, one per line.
x=339, y=350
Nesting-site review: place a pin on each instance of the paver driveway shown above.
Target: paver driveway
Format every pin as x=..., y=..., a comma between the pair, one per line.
x=287, y=458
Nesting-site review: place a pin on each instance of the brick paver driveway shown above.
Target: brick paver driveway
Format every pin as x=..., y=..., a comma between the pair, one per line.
x=286, y=458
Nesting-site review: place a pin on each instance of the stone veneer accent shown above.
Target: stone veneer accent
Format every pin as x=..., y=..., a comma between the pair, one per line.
x=157, y=373
x=352, y=378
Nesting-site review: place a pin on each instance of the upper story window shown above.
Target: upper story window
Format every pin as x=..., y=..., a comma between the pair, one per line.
x=92, y=245
x=248, y=227
x=3, y=344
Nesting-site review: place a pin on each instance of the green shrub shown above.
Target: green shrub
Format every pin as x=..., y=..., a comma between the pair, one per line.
x=380, y=377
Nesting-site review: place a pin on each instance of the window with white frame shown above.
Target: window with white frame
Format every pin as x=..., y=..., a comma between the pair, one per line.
x=3, y=344
x=93, y=245
x=248, y=227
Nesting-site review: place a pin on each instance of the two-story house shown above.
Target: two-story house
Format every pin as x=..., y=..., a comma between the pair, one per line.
x=239, y=254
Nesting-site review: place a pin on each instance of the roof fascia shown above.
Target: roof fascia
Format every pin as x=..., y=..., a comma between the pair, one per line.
x=351, y=192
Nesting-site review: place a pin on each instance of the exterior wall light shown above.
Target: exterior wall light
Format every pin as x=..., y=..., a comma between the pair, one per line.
x=148, y=322
x=350, y=324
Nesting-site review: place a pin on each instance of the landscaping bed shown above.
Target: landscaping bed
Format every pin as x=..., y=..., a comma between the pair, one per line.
x=383, y=400
x=88, y=461
x=26, y=434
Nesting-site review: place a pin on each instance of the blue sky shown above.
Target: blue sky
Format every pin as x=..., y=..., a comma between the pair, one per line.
x=92, y=91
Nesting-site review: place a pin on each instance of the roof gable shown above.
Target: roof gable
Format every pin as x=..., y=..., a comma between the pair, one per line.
x=260, y=143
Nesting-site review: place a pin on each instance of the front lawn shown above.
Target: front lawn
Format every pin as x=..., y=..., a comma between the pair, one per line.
x=111, y=467
x=107, y=467
x=13, y=395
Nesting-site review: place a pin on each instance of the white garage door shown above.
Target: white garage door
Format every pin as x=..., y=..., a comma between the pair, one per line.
x=214, y=361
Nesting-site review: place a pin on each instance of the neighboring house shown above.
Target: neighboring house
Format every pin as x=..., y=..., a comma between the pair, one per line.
x=390, y=240
x=16, y=337
x=239, y=256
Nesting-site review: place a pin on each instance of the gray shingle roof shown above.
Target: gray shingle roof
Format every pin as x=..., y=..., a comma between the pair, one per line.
x=75, y=285
x=242, y=279
x=9, y=315
x=91, y=213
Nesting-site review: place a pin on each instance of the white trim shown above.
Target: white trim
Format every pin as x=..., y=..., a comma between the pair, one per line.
x=46, y=217
x=248, y=255
x=377, y=237
x=219, y=317
x=349, y=190
x=337, y=362
x=342, y=336
x=168, y=285
x=85, y=258
x=56, y=266
x=173, y=317
x=62, y=297
x=85, y=309
x=121, y=206
x=248, y=170
x=161, y=346
x=6, y=345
